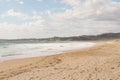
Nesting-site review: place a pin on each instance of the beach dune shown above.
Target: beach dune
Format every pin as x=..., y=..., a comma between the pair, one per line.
x=101, y=62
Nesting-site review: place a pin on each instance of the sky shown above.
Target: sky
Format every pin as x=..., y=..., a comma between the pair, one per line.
x=49, y=18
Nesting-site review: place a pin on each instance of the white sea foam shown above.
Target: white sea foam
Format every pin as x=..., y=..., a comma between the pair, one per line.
x=15, y=51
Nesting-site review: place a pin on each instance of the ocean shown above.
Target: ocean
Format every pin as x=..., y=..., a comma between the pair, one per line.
x=9, y=51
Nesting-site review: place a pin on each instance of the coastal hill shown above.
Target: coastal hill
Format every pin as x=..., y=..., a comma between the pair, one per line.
x=105, y=36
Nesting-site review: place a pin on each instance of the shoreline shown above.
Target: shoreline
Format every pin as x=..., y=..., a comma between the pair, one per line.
x=79, y=64
x=16, y=56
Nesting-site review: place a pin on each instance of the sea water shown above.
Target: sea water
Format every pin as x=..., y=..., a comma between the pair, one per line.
x=10, y=51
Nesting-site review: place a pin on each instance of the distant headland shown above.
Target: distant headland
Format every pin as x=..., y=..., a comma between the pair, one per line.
x=105, y=36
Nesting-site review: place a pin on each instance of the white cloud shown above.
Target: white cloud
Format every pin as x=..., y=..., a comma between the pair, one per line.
x=18, y=1
x=21, y=2
x=73, y=3
x=94, y=10
x=32, y=26
x=27, y=30
x=90, y=9
x=13, y=13
x=39, y=0
x=85, y=17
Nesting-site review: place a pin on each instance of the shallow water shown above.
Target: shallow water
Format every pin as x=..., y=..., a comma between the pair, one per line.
x=10, y=51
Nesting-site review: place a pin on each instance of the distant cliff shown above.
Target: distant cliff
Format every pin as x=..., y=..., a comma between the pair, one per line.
x=106, y=36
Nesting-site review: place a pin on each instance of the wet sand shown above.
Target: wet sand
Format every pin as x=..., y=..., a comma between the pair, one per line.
x=101, y=62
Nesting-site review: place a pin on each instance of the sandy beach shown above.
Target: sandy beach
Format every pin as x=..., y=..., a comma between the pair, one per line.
x=100, y=62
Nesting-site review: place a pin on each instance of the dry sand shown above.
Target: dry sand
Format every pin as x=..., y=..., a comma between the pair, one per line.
x=101, y=62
